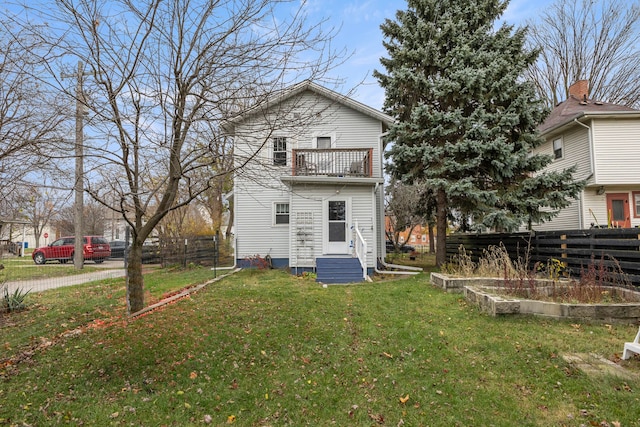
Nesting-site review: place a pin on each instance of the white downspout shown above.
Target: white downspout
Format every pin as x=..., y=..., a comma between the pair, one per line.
x=235, y=245
x=592, y=171
x=413, y=270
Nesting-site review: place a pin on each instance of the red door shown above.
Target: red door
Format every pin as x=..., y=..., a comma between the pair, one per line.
x=618, y=210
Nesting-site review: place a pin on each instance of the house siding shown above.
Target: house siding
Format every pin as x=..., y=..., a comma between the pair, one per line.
x=617, y=150
x=595, y=208
x=258, y=185
x=567, y=219
x=576, y=151
x=311, y=200
x=255, y=231
x=598, y=215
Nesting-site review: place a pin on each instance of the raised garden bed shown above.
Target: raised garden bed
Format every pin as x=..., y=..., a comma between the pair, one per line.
x=485, y=293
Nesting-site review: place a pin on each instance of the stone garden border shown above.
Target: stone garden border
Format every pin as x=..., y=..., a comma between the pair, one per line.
x=478, y=291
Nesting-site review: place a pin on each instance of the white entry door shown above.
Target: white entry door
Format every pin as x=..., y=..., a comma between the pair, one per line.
x=337, y=217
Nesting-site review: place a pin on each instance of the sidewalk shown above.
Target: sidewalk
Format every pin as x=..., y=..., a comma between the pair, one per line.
x=58, y=282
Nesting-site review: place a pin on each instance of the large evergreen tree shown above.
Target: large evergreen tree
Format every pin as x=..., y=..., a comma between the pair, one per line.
x=466, y=122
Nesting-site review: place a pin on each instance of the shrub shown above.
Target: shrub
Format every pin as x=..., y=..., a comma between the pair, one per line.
x=260, y=263
x=13, y=301
x=592, y=286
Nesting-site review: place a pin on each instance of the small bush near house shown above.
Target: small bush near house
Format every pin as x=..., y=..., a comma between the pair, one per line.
x=259, y=262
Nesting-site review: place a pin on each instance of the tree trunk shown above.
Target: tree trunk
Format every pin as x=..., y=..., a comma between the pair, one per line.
x=231, y=219
x=135, y=283
x=441, y=225
x=432, y=240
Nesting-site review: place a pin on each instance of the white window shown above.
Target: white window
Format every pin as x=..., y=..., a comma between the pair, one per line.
x=413, y=238
x=558, y=148
x=281, y=213
x=424, y=238
x=280, y=151
x=323, y=142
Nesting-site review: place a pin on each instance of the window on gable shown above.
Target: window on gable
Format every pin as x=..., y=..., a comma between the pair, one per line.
x=280, y=151
x=281, y=213
x=558, y=148
x=323, y=142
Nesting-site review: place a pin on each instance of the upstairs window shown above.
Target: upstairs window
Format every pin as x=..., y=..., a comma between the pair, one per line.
x=557, y=148
x=636, y=203
x=323, y=142
x=280, y=151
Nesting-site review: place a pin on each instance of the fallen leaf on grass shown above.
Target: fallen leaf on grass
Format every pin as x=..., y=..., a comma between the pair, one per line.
x=404, y=400
x=231, y=419
x=193, y=375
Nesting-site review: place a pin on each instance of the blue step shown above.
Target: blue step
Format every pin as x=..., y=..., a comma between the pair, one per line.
x=338, y=270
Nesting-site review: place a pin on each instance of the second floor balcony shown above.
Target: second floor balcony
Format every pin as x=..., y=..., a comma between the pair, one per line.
x=348, y=162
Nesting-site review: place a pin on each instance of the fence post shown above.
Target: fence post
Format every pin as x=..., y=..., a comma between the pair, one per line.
x=185, y=254
x=215, y=252
x=563, y=246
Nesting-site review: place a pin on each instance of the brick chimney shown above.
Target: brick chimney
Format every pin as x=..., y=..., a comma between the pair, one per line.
x=580, y=90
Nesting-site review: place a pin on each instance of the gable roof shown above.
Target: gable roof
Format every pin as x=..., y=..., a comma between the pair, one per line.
x=308, y=85
x=574, y=108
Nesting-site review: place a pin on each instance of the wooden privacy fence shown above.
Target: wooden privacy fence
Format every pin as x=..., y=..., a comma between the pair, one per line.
x=201, y=250
x=575, y=248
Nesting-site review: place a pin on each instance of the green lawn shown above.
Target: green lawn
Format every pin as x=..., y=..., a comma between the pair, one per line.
x=23, y=268
x=263, y=348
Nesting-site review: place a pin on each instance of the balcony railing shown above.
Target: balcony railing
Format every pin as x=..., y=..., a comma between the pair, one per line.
x=351, y=162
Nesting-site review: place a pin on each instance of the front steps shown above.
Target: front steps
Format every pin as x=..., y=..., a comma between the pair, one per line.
x=338, y=270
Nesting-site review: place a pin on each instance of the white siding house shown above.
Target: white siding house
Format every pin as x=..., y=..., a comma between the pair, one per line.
x=603, y=141
x=309, y=168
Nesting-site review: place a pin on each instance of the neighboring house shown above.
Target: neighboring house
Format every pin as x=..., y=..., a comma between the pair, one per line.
x=417, y=236
x=603, y=141
x=309, y=169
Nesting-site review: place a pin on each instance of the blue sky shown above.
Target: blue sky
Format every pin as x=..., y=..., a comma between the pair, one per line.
x=360, y=34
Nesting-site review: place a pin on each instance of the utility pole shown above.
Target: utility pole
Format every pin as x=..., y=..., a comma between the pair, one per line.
x=78, y=255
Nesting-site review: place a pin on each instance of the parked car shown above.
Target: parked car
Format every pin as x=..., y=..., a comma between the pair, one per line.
x=117, y=248
x=96, y=249
x=405, y=248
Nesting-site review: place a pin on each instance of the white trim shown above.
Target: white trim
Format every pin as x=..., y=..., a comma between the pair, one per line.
x=291, y=91
x=274, y=213
x=316, y=135
x=272, y=151
x=560, y=140
x=326, y=248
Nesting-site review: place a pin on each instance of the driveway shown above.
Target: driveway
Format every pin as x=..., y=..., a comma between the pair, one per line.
x=109, y=269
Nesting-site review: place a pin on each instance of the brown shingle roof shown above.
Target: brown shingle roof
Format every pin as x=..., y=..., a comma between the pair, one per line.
x=573, y=108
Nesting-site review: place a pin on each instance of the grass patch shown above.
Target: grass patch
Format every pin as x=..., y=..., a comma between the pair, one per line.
x=424, y=260
x=23, y=268
x=53, y=313
x=266, y=348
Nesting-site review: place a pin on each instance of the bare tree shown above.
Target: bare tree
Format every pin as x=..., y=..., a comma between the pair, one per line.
x=222, y=183
x=93, y=219
x=407, y=206
x=39, y=205
x=162, y=74
x=594, y=40
x=30, y=116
